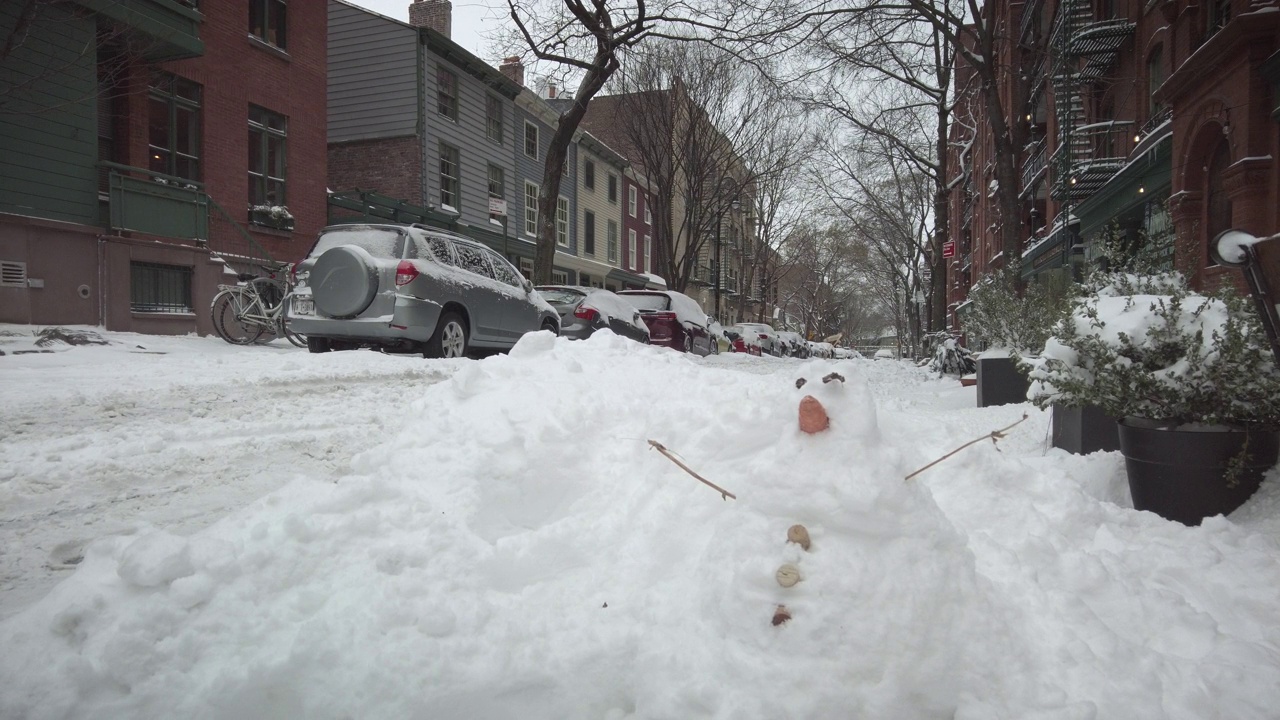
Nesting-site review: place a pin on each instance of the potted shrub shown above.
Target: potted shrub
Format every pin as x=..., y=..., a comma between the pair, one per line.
x=1191, y=379
x=1009, y=325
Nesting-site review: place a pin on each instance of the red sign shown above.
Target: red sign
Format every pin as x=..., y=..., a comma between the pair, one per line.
x=948, y=249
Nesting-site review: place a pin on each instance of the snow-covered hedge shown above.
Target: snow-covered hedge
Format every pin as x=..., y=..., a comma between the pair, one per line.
x=1146, y=346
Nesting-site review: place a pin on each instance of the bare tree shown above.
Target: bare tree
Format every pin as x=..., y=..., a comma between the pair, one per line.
x=586, y=39
x=861, y=50
x=692, y=118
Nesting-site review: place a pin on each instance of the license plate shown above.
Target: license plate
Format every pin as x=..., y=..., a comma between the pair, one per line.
x=304, y=306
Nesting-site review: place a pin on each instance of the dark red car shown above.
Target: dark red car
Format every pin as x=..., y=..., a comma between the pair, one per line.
x=675, y=320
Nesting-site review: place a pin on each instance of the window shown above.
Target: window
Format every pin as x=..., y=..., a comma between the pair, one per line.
x=502, y=271
x=493, y=118
x=588, y=233
x=1155, y=78
x=613, y=188
x=589, y=175
x=612, y=241
x=268, y=132
x=631, y=250
x=446, y=93
x=448, y=176
x=497, y=189
x=1219, y=205
x=442, y=249
x=648, y=266
x=531, y=140
x=173, y=126
x=559, y=277
x=267, y=21
x=648, y=216
x=159, y=288
x=631, y=202
x=530, y=209
x=473, y=258
x=526, y=267
x=562, y=222
x=1219, y=16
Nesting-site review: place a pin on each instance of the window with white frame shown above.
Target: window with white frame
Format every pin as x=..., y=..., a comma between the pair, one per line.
x=562, y=221
x=447, y=93
x=613, y=188
x=648, y=216
x=559, y=277
x=493, y=118
x=631, y=202
x=531, y=140
x=631, y=249
x=530, y=209
x=448, y=176
x=648, y=244
x=613, y=241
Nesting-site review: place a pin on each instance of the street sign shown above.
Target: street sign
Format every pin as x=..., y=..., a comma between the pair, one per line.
x=948, y=249
x=497, y=206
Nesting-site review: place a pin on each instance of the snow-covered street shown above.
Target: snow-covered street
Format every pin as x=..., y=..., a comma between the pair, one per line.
x=191, y=529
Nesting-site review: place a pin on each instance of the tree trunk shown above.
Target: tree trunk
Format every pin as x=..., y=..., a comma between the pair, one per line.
x=544, y=252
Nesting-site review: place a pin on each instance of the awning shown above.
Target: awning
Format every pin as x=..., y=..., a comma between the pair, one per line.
x=594, y=268
x=628, y=278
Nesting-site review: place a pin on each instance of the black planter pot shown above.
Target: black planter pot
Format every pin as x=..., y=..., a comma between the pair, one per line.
x=1000, y=383
x=1182, y=474
x=1083, y=430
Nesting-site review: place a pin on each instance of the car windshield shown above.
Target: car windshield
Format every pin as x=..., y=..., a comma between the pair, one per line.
x=379, y=242
x=560, y=295
x=649, y=303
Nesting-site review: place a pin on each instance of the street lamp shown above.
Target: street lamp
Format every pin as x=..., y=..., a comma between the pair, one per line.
x=734, y=206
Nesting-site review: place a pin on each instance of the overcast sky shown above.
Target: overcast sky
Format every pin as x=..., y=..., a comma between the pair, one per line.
x=471, y=18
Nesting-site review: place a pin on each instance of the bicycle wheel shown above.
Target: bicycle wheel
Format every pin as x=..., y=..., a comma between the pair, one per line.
x=297, y=339
x=227, y=307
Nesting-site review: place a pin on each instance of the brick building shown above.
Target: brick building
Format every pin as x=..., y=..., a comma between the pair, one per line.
x=1146, y=119
x=185, y=135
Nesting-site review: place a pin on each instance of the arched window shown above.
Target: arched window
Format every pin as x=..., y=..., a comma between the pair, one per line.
x=1216, y=201
x=1155, y=78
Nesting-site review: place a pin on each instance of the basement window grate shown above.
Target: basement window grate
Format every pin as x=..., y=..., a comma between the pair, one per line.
x=13, y=274
x=155, y=288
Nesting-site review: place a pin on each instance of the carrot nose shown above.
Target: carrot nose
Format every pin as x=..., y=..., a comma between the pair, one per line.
x=813, y=417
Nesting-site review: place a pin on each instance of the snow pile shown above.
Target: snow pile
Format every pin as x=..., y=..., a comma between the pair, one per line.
x=514, y=552
x=507, y=544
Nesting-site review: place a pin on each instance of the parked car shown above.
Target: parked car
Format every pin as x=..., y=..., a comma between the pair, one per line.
x=411, y=289
x=769, y=342
x=793, y=344
x=824, y=350
x=675, y=320
x=885, y=354
x=720, y=339
x=584, y=310
x=744, y=340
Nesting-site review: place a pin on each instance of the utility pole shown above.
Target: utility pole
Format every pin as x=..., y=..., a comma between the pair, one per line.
x=716, y=262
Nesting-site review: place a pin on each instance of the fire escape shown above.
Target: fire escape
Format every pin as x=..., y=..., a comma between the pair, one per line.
x=1086, y=145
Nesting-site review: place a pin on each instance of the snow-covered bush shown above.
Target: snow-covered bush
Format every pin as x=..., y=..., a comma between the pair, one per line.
x=1144, y=345
x=998, y=318
x=949, y=357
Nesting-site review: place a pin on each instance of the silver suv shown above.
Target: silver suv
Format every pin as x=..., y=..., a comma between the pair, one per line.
x=411, y=289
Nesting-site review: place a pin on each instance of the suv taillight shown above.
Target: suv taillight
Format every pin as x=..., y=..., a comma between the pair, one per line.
x=405, y=273
x=663, y=316
x=585, y=313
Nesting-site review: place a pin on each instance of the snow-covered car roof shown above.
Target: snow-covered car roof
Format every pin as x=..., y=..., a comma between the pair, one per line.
x=605, y=302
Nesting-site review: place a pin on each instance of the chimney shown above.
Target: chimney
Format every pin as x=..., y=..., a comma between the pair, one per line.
x=434, y=14
x=551, y=91
x=513, y=69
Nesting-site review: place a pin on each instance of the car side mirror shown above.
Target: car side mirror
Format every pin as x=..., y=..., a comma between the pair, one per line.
x=528, y=286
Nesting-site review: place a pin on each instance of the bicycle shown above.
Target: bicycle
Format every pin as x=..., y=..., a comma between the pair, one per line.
x=245, y=312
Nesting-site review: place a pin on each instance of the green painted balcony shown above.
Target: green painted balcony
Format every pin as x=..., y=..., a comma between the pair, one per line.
x=157, y=30
x=154, y=204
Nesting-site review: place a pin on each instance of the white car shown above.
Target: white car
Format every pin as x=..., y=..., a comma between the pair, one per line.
x=885, y=354
x=770, y=343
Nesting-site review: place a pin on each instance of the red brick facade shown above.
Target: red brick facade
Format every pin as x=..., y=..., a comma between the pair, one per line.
x=397, y=172
x=1207, y=66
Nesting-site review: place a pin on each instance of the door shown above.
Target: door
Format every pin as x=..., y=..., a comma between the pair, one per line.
x=483, y=298
x=519, y=314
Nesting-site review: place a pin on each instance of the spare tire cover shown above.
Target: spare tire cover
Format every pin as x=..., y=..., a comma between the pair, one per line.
x=343, y=281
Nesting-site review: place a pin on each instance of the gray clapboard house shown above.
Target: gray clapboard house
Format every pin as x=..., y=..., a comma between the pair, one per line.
x=421, y=130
